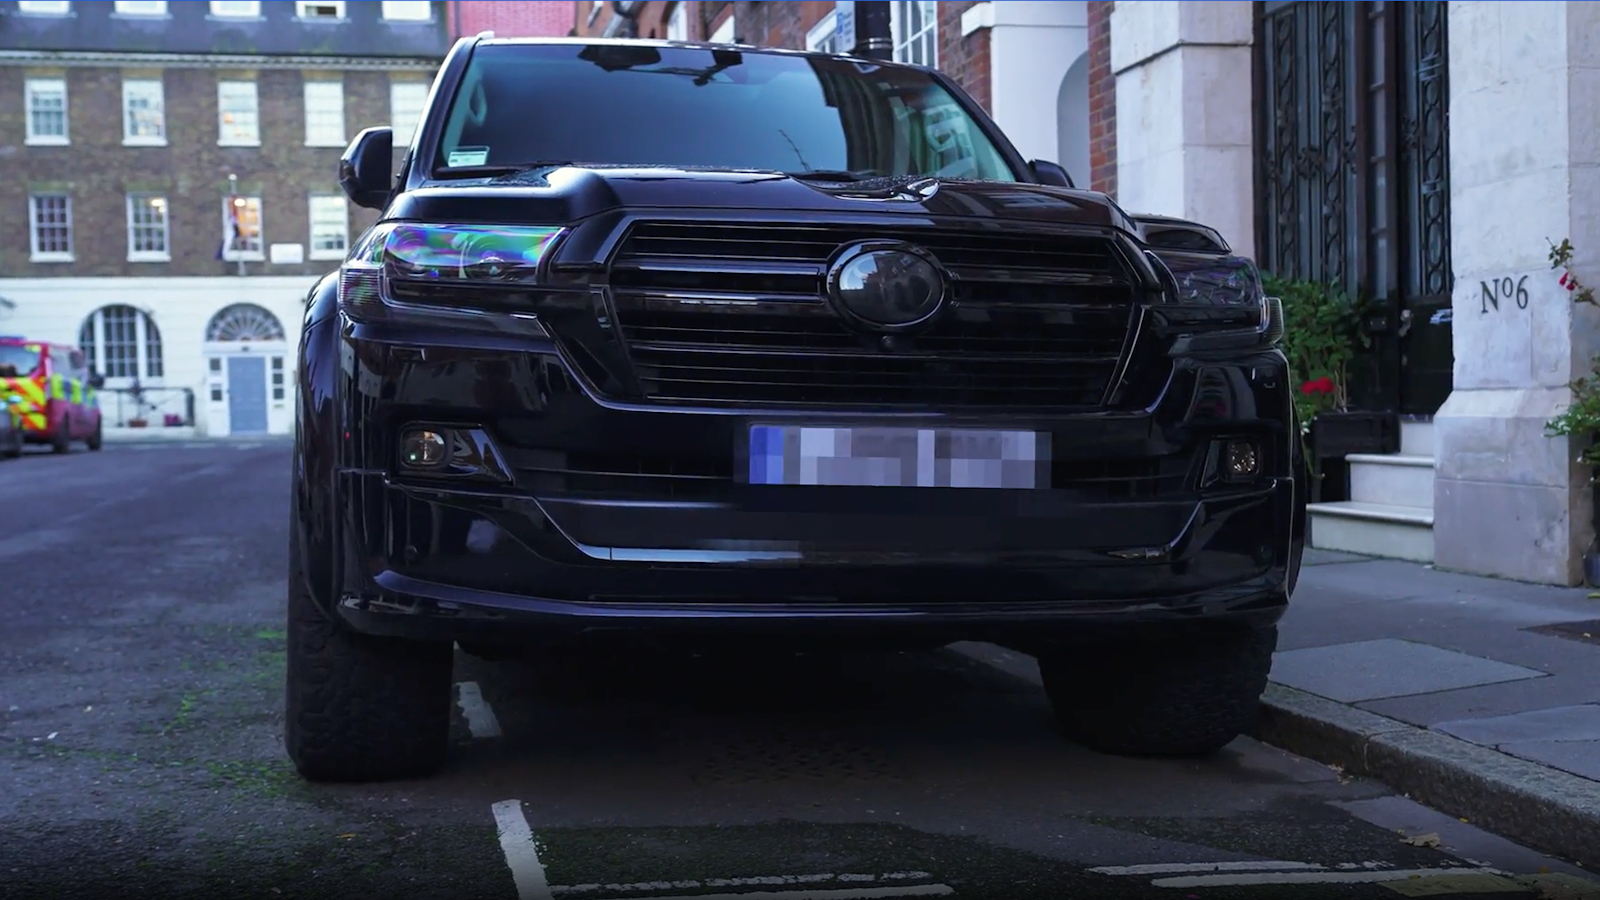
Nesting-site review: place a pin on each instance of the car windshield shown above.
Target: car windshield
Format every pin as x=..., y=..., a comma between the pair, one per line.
x=715, y=108
x=17, y=360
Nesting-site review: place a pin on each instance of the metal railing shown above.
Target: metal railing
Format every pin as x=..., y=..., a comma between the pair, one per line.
x=149, y=407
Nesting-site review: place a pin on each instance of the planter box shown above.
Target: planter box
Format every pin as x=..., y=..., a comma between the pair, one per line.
x=1335, y=435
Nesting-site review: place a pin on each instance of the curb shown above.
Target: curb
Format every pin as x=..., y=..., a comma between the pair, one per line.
x=1544, y=808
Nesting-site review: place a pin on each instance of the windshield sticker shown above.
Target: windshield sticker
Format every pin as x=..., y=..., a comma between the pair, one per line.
x=468, y=156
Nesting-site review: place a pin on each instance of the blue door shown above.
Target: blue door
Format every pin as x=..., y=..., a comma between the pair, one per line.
x=247, y=394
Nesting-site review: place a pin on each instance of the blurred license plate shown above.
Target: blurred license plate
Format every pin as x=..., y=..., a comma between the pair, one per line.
x=898, y=457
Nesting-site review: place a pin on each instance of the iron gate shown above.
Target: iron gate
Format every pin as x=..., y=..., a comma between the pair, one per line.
x=1353, y=176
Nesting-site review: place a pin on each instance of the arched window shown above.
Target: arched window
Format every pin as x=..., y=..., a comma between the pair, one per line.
x=244, y=322
x=122, y=343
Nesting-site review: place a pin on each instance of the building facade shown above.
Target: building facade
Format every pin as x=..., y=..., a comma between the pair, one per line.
x=1426, y=157
x=171, y=188
x=511, y=18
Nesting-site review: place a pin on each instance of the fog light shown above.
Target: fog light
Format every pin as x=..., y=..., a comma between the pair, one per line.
x=1242, y=460
x=424, y=449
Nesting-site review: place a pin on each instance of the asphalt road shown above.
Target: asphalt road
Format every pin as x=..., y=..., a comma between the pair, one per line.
x=141, y=660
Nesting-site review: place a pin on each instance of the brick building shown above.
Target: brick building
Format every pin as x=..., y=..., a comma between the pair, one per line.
x=529, y=18
x=170, y=190
x=1041, y=69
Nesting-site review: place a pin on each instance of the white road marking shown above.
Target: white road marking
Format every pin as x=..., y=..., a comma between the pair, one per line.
x=1182, y=868
x=1252, y=878
x=522, y=856
x=751, y=881
x=909, y=890
x=480, y=718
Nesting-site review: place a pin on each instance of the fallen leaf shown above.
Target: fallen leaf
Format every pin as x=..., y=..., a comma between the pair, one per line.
x=1422, y=840
x=347, y=836
x=51, y=736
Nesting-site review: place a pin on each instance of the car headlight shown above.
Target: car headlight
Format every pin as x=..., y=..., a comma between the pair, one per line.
x=443, y=270
x=1206, y=293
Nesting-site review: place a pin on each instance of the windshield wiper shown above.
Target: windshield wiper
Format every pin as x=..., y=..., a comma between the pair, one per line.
x=496, y=171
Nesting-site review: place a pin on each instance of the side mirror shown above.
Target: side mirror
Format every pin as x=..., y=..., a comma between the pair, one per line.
x=96, y=380
x=366, y=167
x=1050, y=173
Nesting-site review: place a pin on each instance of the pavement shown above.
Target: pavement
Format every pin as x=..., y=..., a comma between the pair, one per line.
x=141, y=714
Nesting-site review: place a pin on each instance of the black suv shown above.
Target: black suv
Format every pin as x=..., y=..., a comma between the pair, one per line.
x=700, y=344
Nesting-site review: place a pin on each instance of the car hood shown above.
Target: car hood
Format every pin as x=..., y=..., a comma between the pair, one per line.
x=562, y=194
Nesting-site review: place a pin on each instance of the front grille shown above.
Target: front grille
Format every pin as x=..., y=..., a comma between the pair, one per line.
x=710, y=476
x=734, y=314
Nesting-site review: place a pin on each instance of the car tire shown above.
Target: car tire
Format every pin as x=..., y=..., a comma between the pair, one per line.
x=361, y=708
x=97, y=440
x=1161, y=697
x=61, y=441
x=14, y=451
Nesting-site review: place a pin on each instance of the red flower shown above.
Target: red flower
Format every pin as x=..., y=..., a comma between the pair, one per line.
x=1326, y=385
x=1309, y=387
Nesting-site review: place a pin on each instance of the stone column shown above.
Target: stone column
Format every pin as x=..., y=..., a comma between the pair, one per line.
x=1184, y=126
x=1524, y=170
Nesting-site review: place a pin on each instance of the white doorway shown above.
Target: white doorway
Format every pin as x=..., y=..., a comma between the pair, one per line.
x=247, y=372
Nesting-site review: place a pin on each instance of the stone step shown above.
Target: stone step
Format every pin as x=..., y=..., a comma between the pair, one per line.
x=1391, y=479
x=1416, y=437
x=1373, y=529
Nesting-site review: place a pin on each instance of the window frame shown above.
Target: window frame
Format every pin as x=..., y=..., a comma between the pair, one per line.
x=34, y=139
x=253, y=137
x=49, y=256
x=144, y=9
x=398, y=5
x=218, y=9
x=826, y=29
x=312, y=251
x=260, y=253
x=44, y=7
x=312, y=139
x=402, y=136
x=128, y=94
x=148, y=256
x=730, y=27
x=148, y=358
x=904, y=43
x=300, y=7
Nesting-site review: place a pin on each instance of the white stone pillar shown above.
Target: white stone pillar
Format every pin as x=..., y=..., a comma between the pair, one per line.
x=1524, y=168
x=1184, y=126
x=1033, y=48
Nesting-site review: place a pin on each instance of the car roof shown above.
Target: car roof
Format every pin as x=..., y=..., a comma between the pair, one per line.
x=15, y=340
x=487, y=39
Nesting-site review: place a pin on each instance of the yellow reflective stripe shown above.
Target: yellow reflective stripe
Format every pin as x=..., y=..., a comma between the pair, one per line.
x=29, y=389
x=34, y=421
x=77, y=390
x=57, y=389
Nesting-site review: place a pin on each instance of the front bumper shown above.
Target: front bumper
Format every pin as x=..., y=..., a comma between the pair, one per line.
x=580, y=515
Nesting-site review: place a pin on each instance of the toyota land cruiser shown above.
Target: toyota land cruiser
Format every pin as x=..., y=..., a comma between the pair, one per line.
x=705, y=344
